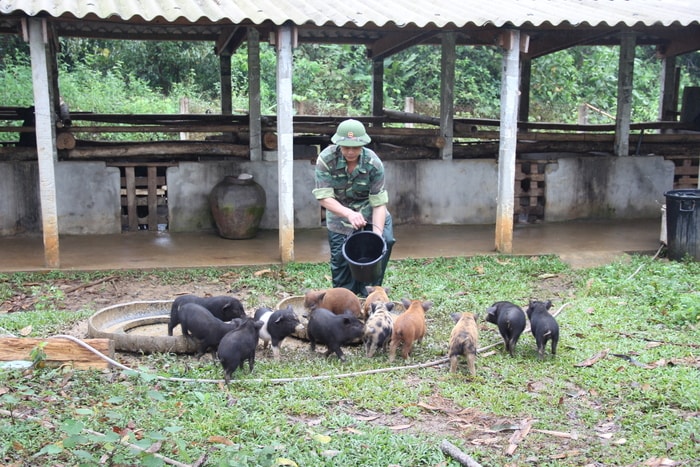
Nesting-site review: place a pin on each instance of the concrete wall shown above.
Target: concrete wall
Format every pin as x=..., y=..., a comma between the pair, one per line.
x=607, y=187
x=190, y=183
x=422, y=192
x=87, y=198
x=19, y=198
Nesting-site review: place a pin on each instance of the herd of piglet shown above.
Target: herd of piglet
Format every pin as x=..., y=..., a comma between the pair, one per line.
x=338, y=318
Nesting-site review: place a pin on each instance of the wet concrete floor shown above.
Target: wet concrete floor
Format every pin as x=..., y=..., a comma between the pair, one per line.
x=579, y=243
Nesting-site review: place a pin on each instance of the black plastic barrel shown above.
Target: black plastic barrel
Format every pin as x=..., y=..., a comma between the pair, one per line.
x=364, y=251
x=683, y=223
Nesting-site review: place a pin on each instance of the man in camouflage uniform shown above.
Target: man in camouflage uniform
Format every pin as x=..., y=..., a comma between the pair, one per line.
x=350, y=185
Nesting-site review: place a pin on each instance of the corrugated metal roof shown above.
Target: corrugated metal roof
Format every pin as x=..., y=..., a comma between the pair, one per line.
x=373, y=13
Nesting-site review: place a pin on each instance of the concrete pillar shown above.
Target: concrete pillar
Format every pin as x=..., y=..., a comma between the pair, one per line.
x=45, y=117
x=510, y=97
x=285, y=141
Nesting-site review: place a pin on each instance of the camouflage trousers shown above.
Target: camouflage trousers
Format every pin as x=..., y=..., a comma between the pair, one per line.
x=340, y=269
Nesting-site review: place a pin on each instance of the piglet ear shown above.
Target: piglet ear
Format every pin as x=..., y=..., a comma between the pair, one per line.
x=406, y=302
x=369, y=289
x=456, y=316
x=427, y=305
x=390, y=306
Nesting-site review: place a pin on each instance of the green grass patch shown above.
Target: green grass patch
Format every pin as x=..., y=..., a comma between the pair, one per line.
x=638, y=400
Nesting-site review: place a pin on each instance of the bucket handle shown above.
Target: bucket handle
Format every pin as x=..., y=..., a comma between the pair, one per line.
x=368, y=227
x=687, y=205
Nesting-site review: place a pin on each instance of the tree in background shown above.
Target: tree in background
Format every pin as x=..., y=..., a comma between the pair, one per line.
x=117, y=76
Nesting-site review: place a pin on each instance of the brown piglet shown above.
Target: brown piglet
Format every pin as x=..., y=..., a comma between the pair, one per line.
x=409, y=327
x=464, y=340
x=375, y=293
x=338, y=300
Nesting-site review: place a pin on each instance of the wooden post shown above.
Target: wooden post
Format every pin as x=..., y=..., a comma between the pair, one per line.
x=667, y=112
x=377, y=87
x=184, y=109
x=285, y=141
x=254, y=112
x=508, y=140
x=225, y=81
x=625, y=75
x=152, y=198
x=132, y=215
x=40, y=49
x=409, y=106
x=525, y=76
x=447, y=92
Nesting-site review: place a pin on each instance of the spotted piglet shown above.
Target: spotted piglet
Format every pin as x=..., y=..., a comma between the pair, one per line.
x=543, y=325
x=338, y=300
x=409, y=327
x=379, y=327
x=464, y=340
x=276, y=326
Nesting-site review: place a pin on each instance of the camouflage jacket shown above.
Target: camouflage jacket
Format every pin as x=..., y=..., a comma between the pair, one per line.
x=361, y=190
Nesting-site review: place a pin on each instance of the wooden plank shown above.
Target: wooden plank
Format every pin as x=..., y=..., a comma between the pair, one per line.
x=131, y=199
x=152, y=199
x=59, y=351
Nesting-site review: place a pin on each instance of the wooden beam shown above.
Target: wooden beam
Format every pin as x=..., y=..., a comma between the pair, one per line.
x=377, y=86
x=625, y=75
x=254, y=95
x=58, y=351
x=447, y=92
x=394, y=43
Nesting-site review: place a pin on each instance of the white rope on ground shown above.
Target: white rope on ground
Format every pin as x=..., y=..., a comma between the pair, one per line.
x=277, y=380
x=642, y=265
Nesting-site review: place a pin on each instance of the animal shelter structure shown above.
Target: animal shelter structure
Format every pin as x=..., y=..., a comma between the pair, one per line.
x=489, y=172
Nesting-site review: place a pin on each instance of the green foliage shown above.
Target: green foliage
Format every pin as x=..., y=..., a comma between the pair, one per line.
x=113, y=76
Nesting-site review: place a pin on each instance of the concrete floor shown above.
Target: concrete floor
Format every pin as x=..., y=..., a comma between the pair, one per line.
x=580, y=243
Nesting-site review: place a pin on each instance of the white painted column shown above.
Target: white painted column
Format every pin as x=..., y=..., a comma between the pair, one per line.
x=285, y=141
x=45, y=117
x=510, y=97
x=447, y=92
x=254, y=112
x=625, y=75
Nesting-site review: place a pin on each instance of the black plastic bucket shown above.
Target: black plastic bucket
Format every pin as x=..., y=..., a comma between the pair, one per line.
x=683, y=223
x=364, y=251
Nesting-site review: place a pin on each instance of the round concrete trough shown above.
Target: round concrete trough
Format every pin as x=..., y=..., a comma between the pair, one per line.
x=140, y=327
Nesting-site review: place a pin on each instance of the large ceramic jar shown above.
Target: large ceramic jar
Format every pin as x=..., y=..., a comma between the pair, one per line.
x=237, y=205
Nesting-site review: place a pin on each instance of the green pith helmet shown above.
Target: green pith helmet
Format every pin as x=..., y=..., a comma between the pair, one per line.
x=351, y=133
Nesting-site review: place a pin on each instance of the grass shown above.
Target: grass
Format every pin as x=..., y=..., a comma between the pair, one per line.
x=639, y=406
